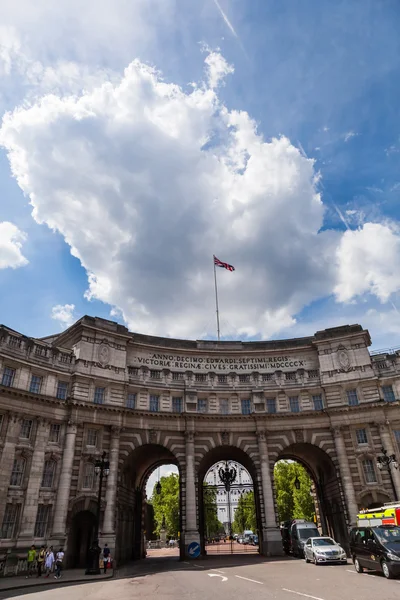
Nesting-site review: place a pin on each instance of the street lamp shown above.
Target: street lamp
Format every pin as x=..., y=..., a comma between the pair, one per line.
x=158, y=484
x=297, y=483
x=385, y=462
x=101, y=469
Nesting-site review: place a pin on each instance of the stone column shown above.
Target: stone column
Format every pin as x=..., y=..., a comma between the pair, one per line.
x=352, y=506
x=191, y=529
x=272, y=541
x=35, y=480
x=387, y=443
x=7, y=459
x=64, y=485
x=108, y=534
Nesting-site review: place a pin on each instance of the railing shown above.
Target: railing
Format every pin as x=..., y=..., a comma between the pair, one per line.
x=385, y=351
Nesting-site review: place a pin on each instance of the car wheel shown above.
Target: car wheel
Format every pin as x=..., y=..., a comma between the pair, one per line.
x=357, y=566
x=315, y=561
x=387, y=570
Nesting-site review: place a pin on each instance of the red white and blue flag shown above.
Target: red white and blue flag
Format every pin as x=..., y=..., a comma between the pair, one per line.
x=223, y=265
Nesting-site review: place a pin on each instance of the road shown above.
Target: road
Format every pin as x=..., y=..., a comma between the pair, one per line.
x=223, y=578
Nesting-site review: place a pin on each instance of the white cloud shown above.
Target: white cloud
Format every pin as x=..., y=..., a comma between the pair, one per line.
x=369, y=262
x=218, y=68
x=349, y=135
x=162, y=471
x=64, y=314
x=11, y=240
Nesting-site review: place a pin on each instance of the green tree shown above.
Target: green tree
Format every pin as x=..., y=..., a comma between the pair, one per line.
x=293, y=503
x=212, y=525
x=166, y=504
x=245, y=514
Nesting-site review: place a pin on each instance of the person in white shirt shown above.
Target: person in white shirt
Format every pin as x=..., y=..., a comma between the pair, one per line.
x=49, y=561
x=59, y=562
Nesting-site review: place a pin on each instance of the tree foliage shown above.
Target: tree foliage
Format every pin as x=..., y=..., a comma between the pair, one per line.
x=212, y=525
x=245, y=514
x=293, y=503
x=166, y=504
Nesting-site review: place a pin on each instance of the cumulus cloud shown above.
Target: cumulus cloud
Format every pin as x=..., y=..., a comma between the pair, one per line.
x=64, y=314
x=11, y=240
x=218, y=68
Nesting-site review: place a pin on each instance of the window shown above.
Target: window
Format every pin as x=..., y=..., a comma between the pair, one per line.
x=361, y=435
x=92, y=437
x=48, y=474
x=8, y=377
x=318, y=402
x=26, y=429
x=244, y=378
x=55, y=429
x=313, y=374
x=155, y=375
x=40, y=351
x=42, y=519
x=99, y=395
x=177, y=404
x=369, y=471
x=131, y=401
x=397, y=436
x=88, y=476
x=222, y=379
x=290, y=376
x=294, y=404
x=271, y=405
x=36, y=384
x=388, y=393
x=352, y=397
x=177, y=376
x=200, y=377
x=17, y=473
x=134, y=371
x=62, y=390
x=154, y=403
x=224, y=406
x=202, y=405
x=267, y=377
x=14, y=342
x=10, y=520
x=246, y=406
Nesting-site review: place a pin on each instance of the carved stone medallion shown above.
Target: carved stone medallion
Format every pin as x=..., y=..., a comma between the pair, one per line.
x=104, y=354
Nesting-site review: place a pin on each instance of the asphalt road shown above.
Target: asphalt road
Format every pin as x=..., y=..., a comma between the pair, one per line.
x=225, y=578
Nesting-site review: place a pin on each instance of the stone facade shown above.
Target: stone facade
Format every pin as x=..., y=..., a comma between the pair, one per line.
x=147, y=401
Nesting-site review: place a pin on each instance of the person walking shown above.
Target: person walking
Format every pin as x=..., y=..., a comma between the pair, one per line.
x=40, y=561
x=49, y=561
x=106, y=557
x=31, y=560
x=59, y=562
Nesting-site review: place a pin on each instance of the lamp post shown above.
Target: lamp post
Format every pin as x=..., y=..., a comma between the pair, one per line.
x=385, y=462
x=297, y=483
x=101, y=469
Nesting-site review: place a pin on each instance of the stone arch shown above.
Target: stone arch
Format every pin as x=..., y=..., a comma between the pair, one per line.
x=372, y=498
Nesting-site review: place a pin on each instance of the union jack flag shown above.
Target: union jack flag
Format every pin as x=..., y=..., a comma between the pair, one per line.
x=219, y=263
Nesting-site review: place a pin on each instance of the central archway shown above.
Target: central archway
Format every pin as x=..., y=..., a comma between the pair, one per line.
x=230, y=456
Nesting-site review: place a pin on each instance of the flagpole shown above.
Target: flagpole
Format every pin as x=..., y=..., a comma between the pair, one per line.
x=216, y=298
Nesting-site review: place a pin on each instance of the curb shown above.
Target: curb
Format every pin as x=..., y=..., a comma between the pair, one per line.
x=64, y=582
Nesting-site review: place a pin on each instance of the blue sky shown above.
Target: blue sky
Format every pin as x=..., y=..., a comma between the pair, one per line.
x=144, y=201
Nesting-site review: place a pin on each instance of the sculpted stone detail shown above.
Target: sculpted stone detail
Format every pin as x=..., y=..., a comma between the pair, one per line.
x=152, y=436
x=225, y=438
x=104, y=354
x=343, y=359
x=299, y=435
x=189, y=435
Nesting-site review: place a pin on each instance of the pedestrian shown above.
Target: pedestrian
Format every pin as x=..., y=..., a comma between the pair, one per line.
x=49, y=561
x=40, y=561
x=106, y=557
x=59, y=562
x=31, y=558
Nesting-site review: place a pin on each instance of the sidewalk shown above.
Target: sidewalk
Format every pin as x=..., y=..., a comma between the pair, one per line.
x=68, y=576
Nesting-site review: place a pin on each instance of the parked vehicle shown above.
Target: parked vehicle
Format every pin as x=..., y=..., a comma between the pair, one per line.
x=321, y=550
x=300, y=531
x=254, y=540
x=377, y=549
x=388, y=514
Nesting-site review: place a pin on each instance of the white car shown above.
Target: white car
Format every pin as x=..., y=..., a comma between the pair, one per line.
x=321, y=550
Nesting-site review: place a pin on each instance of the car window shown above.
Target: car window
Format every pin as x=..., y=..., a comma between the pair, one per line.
x=360, y=536
x=308, y=542
x=388, y=535
x=324, y=542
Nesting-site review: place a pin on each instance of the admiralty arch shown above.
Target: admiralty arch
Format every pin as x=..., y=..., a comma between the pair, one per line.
x=145, y=401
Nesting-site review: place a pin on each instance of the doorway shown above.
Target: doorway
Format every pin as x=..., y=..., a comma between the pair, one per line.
x=82, y=532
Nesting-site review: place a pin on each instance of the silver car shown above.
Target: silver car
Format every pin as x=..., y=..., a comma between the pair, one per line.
x=321, y=550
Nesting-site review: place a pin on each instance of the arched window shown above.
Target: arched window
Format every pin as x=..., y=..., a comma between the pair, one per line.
x=17, y=473
x=48, y=474
x=88, y=476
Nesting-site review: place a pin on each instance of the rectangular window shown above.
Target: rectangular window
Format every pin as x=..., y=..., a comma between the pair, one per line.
x=14, y=341
x=200, y=377
x=361, y=435
x=246, y=406
x=8, y=377
x=26, y=429
x=133, y=371
x=224, y=406
x=318, y=402
x=202, y=405
x=271, y=405
x=10, y=520
x=88, y=476
x=369, y=471
x=313, y=374
x=131, y=401
x=48, y=474
x=99, y=395
x=155, y=375
x=17, y=473
x=267, y=377
x=244, y=378
x=36, y=384
x=92, y=437
x=177, y=404
x=154, y=403
x=177, y=376
x=352, y=397
x=222, y=379
x=42, y=520
x=62, y=390
x=290, y=376
x=294, y=404
x=55, y=429
x=388, y=393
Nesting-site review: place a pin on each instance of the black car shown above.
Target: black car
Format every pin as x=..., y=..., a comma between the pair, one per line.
x=376, y=548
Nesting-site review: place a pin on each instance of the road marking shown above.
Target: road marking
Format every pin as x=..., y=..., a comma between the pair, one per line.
x=300, y=594
x=198, y=566
x=217, y=571
x=247, y=579
x=216, y=575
